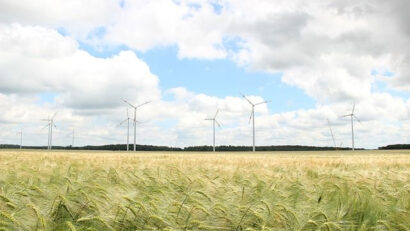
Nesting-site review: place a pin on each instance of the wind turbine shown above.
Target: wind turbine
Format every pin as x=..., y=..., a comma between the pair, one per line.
x=253, y=117
x=128, y=130
x=135, y=119
x=331, y=132
x=72, y=141
x=352, y=115
x=213, y=125
x=50, y=125
x=21, y=137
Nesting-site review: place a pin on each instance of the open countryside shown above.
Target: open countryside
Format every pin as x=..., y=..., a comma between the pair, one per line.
x=204, y=115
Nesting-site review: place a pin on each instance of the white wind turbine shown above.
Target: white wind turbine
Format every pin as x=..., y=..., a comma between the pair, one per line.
x=128, y=130
x=331, y=133
x=253, y=117
x=72, y=141
x=352, y=115
x=21, y=137
x=50, y=126
x=135, y=119
x=213, y=124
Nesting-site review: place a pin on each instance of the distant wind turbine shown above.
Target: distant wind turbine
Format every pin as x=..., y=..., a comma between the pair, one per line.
x=213, y=125
x=253, y=117
x=50, y=125
x=331, y=132
x=352, y=115
x=72, y=141
x=128, y=130
x=21, y=137
x=135, y=119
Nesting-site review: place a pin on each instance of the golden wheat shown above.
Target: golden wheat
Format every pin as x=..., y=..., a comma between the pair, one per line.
x=61, y=190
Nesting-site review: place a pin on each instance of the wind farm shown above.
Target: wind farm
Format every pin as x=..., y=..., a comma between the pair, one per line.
x=222, y=182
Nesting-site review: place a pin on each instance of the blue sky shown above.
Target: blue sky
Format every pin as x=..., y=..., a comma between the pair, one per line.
x=218, y=77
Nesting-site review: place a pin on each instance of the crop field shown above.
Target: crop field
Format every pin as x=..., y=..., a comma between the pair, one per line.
x=61, y=190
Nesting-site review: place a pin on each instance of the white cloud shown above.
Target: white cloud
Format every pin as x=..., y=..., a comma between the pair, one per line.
x=35, y=59
x=327, y=49
x=77, y=17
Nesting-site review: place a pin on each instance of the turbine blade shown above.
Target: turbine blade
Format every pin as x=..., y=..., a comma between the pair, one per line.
x=216, y=113
x=353, y=108
x=250, y=117
x=357, y=119
x=346, y=115
x=54, y=115
x=263, y=102
x=143, y=104
x=123, y=121
x=209, y=119
x=125, y=101
x=246, y=99
x=216, y=121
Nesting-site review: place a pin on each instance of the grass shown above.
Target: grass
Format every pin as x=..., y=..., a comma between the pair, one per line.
x=42, y=190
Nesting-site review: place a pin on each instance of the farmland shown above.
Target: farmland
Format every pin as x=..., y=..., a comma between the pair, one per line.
x=61, y=190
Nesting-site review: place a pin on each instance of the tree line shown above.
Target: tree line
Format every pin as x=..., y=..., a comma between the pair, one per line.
x=203, y=148
x=395, y=146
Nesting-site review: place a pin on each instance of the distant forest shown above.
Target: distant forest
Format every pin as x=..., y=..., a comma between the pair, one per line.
x=395, y=146
x=123, y=147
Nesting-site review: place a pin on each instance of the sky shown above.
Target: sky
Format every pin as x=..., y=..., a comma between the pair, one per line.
x=311, y=59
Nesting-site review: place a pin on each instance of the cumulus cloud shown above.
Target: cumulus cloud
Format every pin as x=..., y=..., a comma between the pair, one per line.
x=35, y=60
x=278, y=36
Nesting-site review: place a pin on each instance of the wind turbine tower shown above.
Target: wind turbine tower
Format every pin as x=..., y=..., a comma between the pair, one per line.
x=135, y=119
x=252, y=117
x=213, y=125
x=72, y=141
x=21, y=137
x=331, y=132
x=50, y=126
x=352, y=115
x=128, y=130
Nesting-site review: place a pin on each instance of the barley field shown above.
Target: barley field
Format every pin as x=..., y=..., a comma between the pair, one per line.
x=61, y=190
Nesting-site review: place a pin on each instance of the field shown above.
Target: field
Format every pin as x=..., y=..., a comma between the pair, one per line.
x=367, y=190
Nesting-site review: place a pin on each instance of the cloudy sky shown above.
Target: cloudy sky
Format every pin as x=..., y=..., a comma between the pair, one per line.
x=312, y=59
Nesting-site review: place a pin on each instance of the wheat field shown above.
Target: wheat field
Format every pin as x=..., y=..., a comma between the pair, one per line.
x=61, y=190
